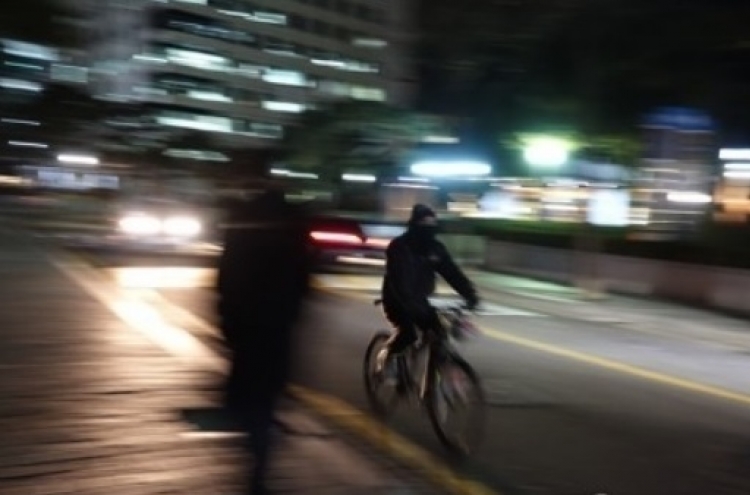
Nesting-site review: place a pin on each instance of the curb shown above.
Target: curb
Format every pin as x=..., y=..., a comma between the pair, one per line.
x=389, y=442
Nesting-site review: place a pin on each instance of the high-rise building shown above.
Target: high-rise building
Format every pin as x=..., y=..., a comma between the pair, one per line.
x=30, y=75
x=243, y=70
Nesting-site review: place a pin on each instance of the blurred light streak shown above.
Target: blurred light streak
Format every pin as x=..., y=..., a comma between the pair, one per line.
x=21, y=122
x=149, y=321
x=689, y=197
x=359, y=178
x=293, y=175
x=734, y=154
x=78, y=159
x=164, y=277
x=380, y=243
x=28, y=144
x=451, y=168
x=353, y=260
x=335, y=237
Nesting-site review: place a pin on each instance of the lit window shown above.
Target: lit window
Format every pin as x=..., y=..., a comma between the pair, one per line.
x=370, y=43
x=22, y=65
x=259, y=129
x=369, y=94
x=197, y=122
x=145, y=57
x=199, y=60
x=21, y=85
x=287, y=77
x=335, y=88
x=283, y=106
x=327, y=62
x=213, y=156
x=70, y=73
x=28, y=50
x=148, y=90
x=208, y=96
x=254, y=71
x=269, y=18
x=356, y=66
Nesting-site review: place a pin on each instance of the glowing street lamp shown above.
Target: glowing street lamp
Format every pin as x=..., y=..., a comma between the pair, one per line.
x=546, y=151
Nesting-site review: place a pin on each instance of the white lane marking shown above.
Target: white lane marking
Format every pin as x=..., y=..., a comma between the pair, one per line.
x=365, y=283
x=176, y=277
x=132, y=307
x=486, y=308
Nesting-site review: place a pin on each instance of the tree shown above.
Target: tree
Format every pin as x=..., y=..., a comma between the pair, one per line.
x=618, y=59
x=353, y=135
x=602, y=63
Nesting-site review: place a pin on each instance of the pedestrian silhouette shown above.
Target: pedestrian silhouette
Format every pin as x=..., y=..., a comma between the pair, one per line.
x=262, y=282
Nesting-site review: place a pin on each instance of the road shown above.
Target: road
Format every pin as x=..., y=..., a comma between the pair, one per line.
x=577, y=405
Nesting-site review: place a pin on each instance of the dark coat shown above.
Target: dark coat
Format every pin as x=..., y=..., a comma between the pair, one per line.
x=410, y=278
x=261, y=285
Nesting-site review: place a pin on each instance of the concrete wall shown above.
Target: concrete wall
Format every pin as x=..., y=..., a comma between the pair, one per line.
x=721, y=288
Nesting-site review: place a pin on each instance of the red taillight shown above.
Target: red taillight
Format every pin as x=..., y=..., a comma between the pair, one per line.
x=378, y=243
x=335, y=237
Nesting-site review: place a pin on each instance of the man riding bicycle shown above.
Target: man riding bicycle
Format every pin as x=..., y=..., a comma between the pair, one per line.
x=412, y=260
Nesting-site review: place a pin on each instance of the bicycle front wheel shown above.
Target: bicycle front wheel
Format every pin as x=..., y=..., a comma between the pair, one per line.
x=382, y=390
x=455, y=404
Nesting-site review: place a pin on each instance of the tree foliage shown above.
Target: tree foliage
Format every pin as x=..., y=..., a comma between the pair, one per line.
x=596, y=64
x=353, y=135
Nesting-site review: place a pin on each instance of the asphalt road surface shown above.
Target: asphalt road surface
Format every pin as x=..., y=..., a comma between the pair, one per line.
x=577, y=405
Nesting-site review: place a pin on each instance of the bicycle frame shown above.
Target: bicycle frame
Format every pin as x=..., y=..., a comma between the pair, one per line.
x=436, y=344
x=432, y=351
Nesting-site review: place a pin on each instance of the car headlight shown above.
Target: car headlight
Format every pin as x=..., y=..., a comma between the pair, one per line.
x=182, y=226
x=139, y=224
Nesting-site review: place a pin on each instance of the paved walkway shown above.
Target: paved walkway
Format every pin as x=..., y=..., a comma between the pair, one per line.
x=653, y=316
x=90, y=406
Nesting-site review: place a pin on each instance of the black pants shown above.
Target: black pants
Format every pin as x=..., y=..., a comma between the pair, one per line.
x=254, y=404
x=260, y=422
x=405, y=329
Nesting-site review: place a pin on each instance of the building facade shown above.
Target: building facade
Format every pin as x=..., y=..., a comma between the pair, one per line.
x=242, y=71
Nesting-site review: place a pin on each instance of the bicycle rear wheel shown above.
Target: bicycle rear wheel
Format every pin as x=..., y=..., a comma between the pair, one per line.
x=382, y=391
x=455, y=403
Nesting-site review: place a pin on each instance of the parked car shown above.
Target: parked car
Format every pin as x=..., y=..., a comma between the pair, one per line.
x=339, y=241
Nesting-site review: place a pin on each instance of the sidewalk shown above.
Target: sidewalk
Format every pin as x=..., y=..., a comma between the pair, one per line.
x=651, y=316
x=91, y=407
x=50, y=215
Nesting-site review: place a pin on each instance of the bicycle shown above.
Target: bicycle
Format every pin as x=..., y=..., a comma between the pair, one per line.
x=446, y=380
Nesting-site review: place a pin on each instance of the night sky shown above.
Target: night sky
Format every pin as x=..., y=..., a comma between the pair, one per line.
x=601, y=64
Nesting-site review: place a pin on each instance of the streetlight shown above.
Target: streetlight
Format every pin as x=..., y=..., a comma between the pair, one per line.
x=546, y=151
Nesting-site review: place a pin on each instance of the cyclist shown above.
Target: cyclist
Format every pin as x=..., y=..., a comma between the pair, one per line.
x=412, y=261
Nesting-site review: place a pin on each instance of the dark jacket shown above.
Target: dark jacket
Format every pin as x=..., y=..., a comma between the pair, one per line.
x=261, y=285
x=410, y=278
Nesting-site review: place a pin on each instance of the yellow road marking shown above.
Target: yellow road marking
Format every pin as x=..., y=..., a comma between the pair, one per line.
x=157, y=325
x=597, y=361
x=393, y=444
x=617, y=366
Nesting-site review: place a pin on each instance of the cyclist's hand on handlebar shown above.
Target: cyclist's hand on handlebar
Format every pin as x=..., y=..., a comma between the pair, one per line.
x=471, y=305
